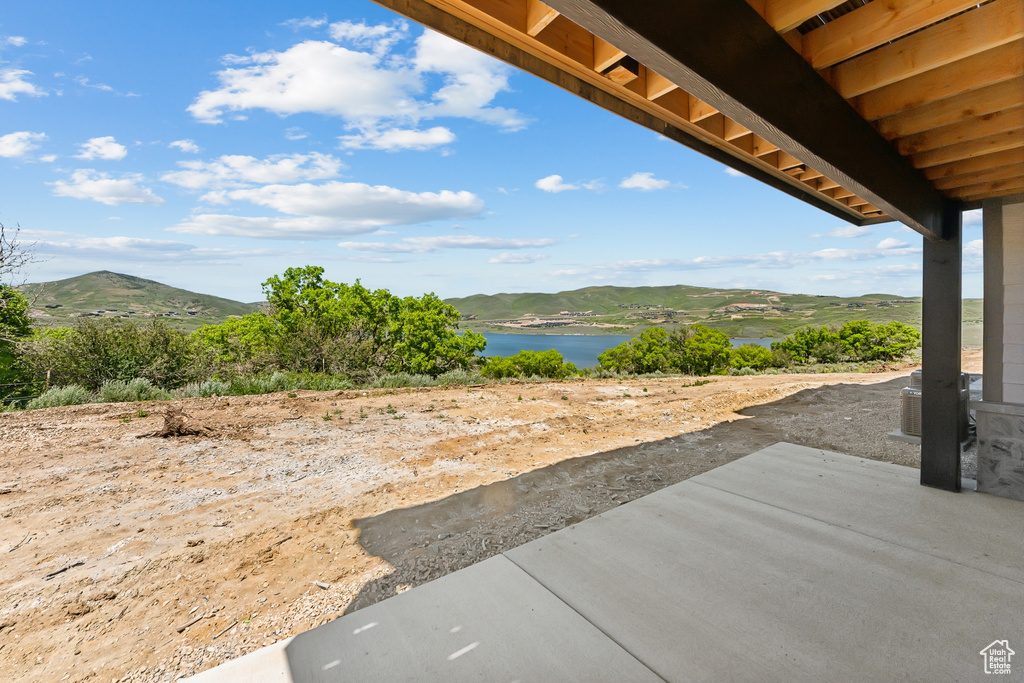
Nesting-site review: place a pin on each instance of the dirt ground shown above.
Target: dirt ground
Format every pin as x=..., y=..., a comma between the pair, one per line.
x=128, y=556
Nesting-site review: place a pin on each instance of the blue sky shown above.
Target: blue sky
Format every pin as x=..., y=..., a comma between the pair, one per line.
x=211, y=145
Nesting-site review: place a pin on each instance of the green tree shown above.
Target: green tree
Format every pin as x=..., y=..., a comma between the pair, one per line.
x=809, y=344
x=893, y=340
x=648, y=352
x=548, y=363
x=752, y=356
x=95, y=351
x=705, y=351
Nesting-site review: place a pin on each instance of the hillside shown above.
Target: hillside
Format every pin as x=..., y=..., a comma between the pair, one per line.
x=737, y=312
x=105, y=294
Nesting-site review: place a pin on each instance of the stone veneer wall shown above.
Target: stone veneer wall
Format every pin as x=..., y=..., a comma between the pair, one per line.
x=1001, y=449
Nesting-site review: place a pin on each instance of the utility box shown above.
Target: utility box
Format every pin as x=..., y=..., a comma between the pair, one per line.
x=910, y=406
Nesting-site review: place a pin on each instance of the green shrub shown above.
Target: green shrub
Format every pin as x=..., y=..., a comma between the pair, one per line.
x=95, y=351
x=645, y=353
x=812, y=344
x=856, y=341
x=211, y=387
x=138, y=389
x=549, y=364
x=752, y=356
x=462, y=377
x=696, y=350
x=70, y=395
x=255, y=385
x=400, y=380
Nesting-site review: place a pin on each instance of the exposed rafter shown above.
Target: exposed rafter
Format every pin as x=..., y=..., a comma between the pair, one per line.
x=737, y=64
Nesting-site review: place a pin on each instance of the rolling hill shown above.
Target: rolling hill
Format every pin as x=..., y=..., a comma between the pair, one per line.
x=591, y=310
x=106, y=294
x=737, y=312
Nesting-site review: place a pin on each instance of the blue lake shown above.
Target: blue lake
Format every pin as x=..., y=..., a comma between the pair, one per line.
x=581, y=350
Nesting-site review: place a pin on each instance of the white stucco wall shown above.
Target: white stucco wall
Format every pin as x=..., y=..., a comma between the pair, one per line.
x=1013, y=303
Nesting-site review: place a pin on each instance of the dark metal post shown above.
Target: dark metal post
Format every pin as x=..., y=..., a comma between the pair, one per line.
x=940, y=356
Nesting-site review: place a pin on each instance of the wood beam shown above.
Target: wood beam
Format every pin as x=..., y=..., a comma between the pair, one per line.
x=786, y=15
x=734, y=130
x=997, y=173
x=625, y=71
x=762, y=146
x=657, y=85
x=569, y=39
x=940, y=355
x=605, y=54
x=967, y=34
x=972, y=129
x=976, y=164
x=841, y=193
x=810, y=174
x=874, y=24
x=974, y=148
x=538, y=16
x=675, y=102
x=1002, y=193
x=968, y=105
x=700, y=110
x=787, y=161
x=989, y=189
x=992, y=66
x=737, y=64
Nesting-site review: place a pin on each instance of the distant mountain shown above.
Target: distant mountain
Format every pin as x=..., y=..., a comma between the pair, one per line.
x=737, y=312
x=107, y=294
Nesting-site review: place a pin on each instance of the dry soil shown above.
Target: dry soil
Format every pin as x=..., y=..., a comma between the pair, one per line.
x=131, y=556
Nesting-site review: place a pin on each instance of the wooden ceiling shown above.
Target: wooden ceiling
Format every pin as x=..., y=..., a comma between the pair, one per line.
x=941, y=80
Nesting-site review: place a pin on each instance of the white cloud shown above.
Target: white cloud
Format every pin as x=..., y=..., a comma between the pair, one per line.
x=187, y=145
x=48, y=158
x=315, y=77
x=394, y=139
x=295, y=133
x=304, y=22
x=849, y=231
x=134, y=249
x=379, y=38
x=102, y=148
x=972, y=217
x=99, y=187
x=891, y=243
x=427, y=245
x=16, y=41
x=509, y=257
x=368, y=205
x=554, y=183
x=19, y=143
x=366, y=82
x=84, y=82
x=974, y=256
x=236, y=170
x=13, y=83
x=643, y=181
x=332, y=209
x=729, y=170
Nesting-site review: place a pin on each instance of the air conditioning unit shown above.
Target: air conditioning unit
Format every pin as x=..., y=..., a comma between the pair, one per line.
x=910, y=409
x=910, y=406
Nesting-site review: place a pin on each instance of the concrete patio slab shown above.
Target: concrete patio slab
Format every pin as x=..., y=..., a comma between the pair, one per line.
x=703, y=584
x=489, y=622
x=789, y=564
x=881, y=500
